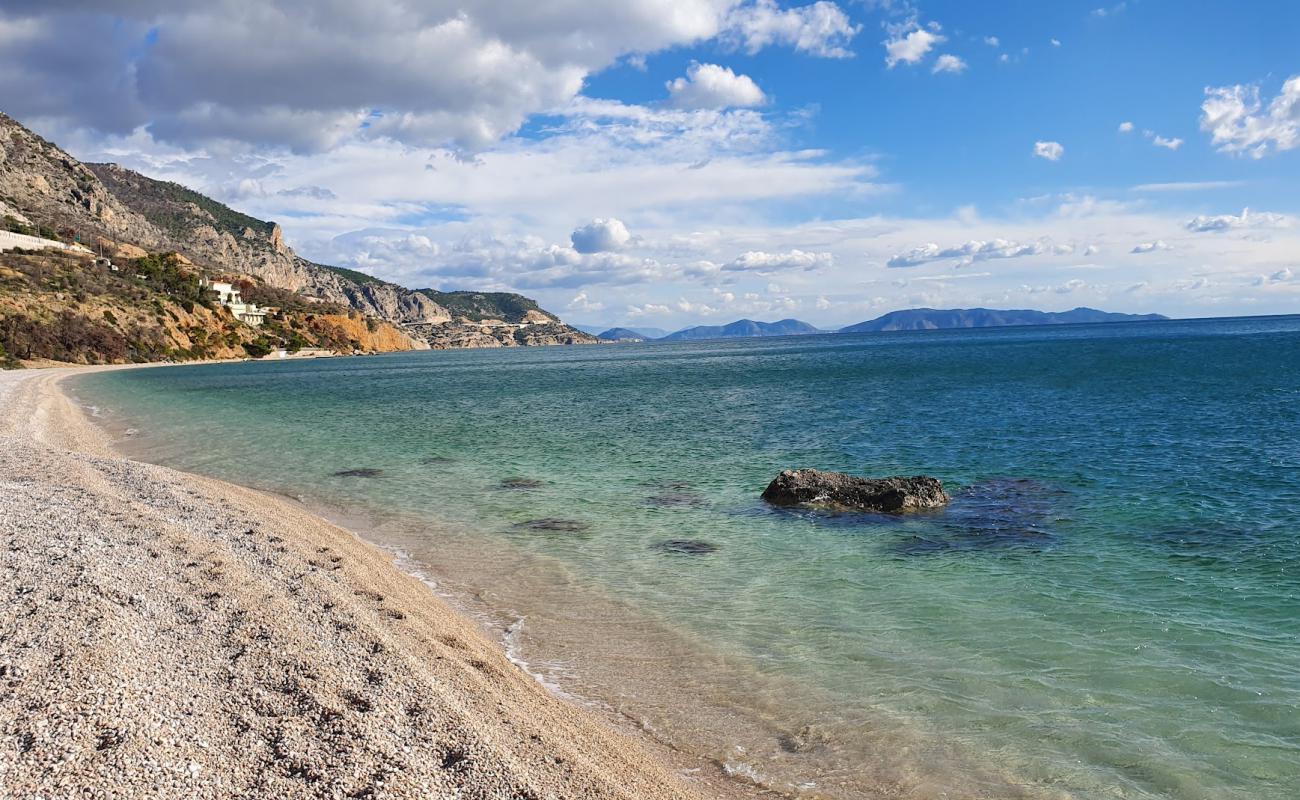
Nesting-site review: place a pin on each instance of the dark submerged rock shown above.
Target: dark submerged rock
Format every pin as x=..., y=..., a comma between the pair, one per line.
x=364, y=472
x=686, y=547
x=996, y=514
x=520, y=483
x=838, y=490
x=553, y=525
x=432, y=460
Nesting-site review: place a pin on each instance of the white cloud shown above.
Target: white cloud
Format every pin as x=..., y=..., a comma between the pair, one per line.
x=972, y=251
x=1055, y=42
x=948, y=63
x=313, y=76
x=581, y=302
x=1160, y=141
x=1102, y=13
x=1227, y=222
x=820, y=29
x=1186, y=186
x=1126, y=127
x=1238, y=123
x=1151, y=247
x=713, y=86
x=600, y=236
x=764, y=263
x=1052, y=151
x=908, y=43
x=992, y=41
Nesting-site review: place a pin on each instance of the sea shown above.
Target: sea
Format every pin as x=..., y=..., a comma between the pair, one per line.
x=1109, y=608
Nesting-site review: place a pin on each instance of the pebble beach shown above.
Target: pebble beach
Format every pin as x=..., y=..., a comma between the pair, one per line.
x=168, y=635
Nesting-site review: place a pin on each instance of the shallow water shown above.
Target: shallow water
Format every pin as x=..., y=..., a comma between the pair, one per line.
x=1110, y=607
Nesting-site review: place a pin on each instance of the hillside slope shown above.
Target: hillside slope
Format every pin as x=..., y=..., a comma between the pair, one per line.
x=64, y=306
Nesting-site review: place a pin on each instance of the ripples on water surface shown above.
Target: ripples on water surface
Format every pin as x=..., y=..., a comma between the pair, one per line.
x=1108, y=609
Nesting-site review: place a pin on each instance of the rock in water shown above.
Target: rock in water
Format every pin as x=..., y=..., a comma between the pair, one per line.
x=837, y=490
x=365, y=472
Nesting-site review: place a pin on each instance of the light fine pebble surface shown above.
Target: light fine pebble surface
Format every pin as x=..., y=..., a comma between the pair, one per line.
x=166, y=635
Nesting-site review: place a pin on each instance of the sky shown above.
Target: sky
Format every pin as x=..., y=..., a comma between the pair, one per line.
x=677, y=162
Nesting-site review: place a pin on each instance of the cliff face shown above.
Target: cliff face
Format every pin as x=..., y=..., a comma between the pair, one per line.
x=463, y=333
x=42, y=184
x=213, y=233
x=131, y=215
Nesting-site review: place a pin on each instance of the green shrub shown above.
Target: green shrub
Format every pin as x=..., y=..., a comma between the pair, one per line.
x=258, y=347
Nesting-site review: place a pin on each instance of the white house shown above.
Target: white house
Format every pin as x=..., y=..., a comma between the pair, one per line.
x=229, y=297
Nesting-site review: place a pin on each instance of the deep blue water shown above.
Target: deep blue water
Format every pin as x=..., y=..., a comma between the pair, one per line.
x=1109, y=608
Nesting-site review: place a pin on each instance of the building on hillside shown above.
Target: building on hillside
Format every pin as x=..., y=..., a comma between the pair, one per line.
x=228, y=295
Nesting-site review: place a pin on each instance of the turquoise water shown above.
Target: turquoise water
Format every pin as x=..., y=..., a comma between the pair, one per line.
x=1109, y=608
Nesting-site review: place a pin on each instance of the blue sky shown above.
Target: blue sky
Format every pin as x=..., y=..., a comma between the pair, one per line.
x=673, y=162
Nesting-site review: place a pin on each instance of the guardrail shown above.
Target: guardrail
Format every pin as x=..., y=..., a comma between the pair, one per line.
x=14, y=241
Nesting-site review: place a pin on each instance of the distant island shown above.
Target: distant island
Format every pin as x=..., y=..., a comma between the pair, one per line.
x=624, y=335
x=743, y=328
x=914, y=319
x=929, y=319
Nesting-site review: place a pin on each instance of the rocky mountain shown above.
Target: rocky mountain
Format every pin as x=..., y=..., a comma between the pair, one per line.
x=130, y=214
x=921, y=319
x=743, y=328
x=212, y=233
x=623, y=335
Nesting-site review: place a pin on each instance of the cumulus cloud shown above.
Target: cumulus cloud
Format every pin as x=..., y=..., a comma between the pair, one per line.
x=908, y=43
x=974, y=250
x=820, y=29
x=1055, y=42
x=1284, y=275
x=1151, y=247
x=713, y=86
x=1052, y=151
x=1126, y=127
x=1238, y=122
x=948, y=63
x=1228, y=222
x=1161, y=141
x=765, y=263
x=311, y=76
x=992, y=41
x=600, y=236
x=581, y=302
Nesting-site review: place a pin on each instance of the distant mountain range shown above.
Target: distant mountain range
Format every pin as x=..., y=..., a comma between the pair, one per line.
x=743, y=328
x=914, y=319
x=926, y=319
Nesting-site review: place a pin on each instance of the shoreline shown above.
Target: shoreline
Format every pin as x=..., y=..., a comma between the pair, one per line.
x=190, y=633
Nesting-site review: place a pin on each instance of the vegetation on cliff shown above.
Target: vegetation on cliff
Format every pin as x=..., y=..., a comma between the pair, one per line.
x=64, y=306
x=479, y=306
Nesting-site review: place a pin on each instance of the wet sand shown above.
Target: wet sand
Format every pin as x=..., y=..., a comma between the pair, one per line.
x=169, y=635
